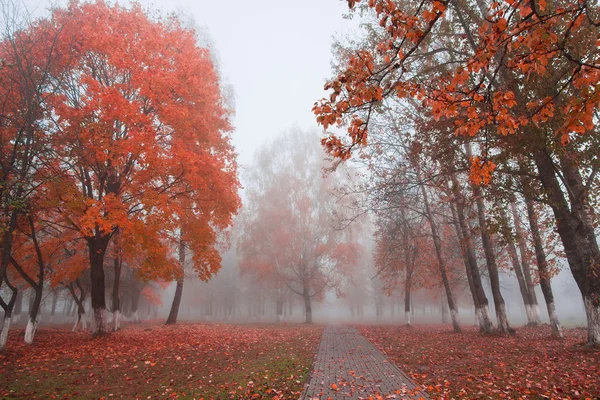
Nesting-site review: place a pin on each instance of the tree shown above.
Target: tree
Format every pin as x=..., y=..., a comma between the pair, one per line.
x=28, y=50
x=519, y=76
x=141, y=141
x=289, y=227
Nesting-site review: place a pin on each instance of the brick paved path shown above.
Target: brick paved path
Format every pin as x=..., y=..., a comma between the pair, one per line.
x=348, y=366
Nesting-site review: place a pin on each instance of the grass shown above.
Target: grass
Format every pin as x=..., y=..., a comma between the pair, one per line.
x=190, y=361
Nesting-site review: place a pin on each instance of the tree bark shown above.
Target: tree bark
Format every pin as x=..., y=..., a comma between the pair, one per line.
x=135, y=301
x=514, y=258
x=97, y=249
x=490, y=259
x=535, y=309
x=53, y=309
x=544, y=274
x=307, y=306
x=480, y=301
x=172, y=319
x=8, y=310
x=441, y=263
x=278, y=310
x=116, y=298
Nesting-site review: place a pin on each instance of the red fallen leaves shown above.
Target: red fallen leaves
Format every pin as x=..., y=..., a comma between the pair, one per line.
x=210, y=361
x=472, y=365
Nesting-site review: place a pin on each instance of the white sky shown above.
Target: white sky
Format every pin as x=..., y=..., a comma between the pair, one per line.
x=275, y=53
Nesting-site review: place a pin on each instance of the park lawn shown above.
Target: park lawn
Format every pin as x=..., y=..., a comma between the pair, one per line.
x=530, y=365
x=141, y=361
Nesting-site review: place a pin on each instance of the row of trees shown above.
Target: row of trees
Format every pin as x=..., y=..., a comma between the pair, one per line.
x=114, y=149
x=289, y=231
x=481, y=121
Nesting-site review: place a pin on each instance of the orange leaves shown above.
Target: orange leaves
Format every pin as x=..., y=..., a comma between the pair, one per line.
x=481, y=171
x=202, y=361
x=145, y=138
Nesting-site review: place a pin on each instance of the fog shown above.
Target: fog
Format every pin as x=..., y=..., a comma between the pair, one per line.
x=234, y=297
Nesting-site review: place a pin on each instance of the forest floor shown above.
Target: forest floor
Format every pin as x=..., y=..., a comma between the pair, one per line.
x=155, y=361
x=530, y=365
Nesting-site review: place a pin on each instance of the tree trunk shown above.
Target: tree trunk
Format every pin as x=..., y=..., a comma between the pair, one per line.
x=307, y=306
x=514, y=258
x=135, y=301
x=444, y=307
x=576, y=230
x=534, y=307
x=278, y=310
x=8, y=310
x=441, y=264
x=34, y=309
x=53, y=309
x=407, y=287
x=490, y=259
x=544, y=274
x=97, y=249
x=480, y=301
x=78, y=300
x=172, y=319
x=116, y=298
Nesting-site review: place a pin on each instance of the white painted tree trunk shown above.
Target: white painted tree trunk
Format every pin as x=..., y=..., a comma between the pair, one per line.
x=407, y=318
x=593, y=318
x=455, y=319
x=136, y=317
x=485, y=319
x=30, y=331
x=99, y=321
x=77, y=320
x=51, y=318
x=554, y=322
x=4, y=332
x=502, y=317
x=528, y=313
x=535, y=314
x=116, y=320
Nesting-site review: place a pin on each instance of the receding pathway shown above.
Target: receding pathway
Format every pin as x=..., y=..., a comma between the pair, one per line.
x=348, y=366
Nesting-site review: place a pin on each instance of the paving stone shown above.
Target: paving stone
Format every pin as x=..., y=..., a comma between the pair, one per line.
x=348, y=366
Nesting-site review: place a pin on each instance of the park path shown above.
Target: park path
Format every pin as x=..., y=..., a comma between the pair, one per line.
x=348, y=366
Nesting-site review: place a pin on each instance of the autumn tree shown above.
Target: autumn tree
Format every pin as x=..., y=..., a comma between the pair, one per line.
x=289, y=227
x=520, y=76
x=29, y=56
x=141, y=141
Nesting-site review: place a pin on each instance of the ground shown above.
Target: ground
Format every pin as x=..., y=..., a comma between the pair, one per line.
x=348, y=366
x=216, y=361
x=183, y=361
x=530, y=365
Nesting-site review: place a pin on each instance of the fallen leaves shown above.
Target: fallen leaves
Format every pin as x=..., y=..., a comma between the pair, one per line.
x=473, y=365
x=210, y=361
